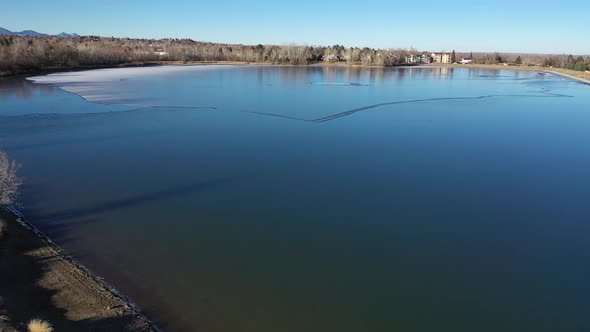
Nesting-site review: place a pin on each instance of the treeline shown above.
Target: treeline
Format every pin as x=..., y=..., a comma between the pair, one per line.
x=578, y=63
x=25, y=54
x=568, y=62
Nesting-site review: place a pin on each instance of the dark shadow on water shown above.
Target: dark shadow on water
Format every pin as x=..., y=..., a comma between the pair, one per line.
x=61, y=232
x=131, y=202
x=89, y=139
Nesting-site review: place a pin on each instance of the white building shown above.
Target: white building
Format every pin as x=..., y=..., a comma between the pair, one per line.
x=424, y=58
x=411, y=59
x=441, y=57
x=420, y=58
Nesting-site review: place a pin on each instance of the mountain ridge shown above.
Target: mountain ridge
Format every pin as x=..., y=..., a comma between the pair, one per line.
x=33, y=33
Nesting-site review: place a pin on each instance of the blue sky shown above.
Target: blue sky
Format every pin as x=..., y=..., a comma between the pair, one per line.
x=504, y=26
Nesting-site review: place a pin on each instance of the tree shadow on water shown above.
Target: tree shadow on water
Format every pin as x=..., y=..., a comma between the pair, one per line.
x=125, y=203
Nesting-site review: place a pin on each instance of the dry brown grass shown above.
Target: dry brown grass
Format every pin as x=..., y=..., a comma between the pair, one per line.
x=38, y=325
x=9, y=180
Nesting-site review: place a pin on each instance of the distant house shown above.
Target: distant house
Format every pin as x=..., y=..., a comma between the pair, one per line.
x=424, y=58
x=465, y=61
x=420, y=58
x=411, y=59
x=159, y=51
x=441, y=57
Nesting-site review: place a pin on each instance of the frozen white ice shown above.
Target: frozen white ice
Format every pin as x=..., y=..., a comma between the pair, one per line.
x=111, y=86
x=297, y=94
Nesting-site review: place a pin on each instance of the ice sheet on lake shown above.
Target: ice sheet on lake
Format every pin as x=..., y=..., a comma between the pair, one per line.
x=117, y=74
x=295, y=93
x=114, y=85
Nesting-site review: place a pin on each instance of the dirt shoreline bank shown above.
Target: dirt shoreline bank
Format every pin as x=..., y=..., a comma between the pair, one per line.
x=40, y=280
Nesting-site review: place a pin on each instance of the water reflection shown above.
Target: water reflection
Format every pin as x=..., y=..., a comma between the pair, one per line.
x=292, y=75
x=291, y=92
x=22, y=89
x=155, y=197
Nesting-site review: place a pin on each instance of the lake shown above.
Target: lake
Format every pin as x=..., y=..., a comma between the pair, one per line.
x=259, y=198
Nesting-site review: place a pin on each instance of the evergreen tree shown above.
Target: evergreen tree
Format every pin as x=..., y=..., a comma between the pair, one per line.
x=453, y=57
x=570, y=62
x=580, y=64
x=518, y=60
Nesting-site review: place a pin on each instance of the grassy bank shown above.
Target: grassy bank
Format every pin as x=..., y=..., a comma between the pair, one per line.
x=38, y=280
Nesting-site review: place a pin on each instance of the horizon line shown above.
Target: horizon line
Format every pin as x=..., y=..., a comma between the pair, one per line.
x=277, y=44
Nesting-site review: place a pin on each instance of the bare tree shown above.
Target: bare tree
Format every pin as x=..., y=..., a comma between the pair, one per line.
x=24, y=54
x=9, y=181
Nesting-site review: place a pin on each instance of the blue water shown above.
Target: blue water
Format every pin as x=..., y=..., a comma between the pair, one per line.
x=318, y=199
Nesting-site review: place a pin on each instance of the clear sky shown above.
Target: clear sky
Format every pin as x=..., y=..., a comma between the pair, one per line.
x=504, y=26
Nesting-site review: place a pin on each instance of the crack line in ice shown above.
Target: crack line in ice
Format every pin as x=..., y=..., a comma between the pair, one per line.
x=339, y=84
x=364, y=108
x=42, y=115
x=541, y=92
x=276, y=115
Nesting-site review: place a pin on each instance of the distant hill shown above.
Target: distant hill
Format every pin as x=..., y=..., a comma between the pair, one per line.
x=65, y=34
x=29, y=33
x=32, y=33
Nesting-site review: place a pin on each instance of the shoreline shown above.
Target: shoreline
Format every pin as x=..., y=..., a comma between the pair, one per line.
x=583, y=77
x=51, y=285
x=52, y=70
x=580, y=76
x=578, y=79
